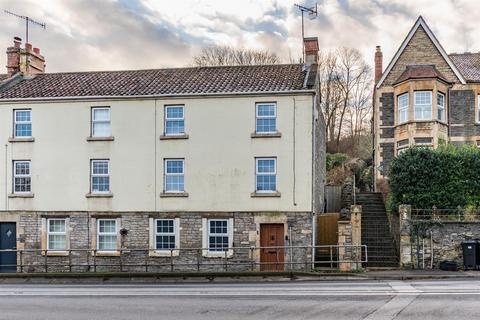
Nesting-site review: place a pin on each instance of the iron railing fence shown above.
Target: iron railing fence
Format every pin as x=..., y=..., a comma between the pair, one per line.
x=446, y=215
x=285, y=258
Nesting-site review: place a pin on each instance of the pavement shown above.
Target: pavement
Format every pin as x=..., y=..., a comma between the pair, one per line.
x=233, y=277
x=437, y=299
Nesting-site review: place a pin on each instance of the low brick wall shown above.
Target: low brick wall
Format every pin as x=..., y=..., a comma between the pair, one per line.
x=246, y=234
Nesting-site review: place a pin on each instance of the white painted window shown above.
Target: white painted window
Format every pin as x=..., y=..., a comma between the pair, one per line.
x=174, y=120
x=22, y=119
x=402, y=102
x=266, y=174
x=22, y=177
x=101, y=122
x=218, y=235
x=100, y=176
x=174, y=176
x=478, y=109
x=165, y=234
x=107, y=234
x=266, y=118
x=423, y=105
x=56, y=234
x=440, y=107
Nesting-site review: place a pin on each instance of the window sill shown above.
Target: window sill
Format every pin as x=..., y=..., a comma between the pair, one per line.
x=107, y=253
x=164, y=253
x=174, y=137
x=216, y=254
x=174, y=195
x=60, y=253
x=99, y=195
x=18, y=139
x=266, y=135
x=101, y=138
x=21, y=195
x=275, y=194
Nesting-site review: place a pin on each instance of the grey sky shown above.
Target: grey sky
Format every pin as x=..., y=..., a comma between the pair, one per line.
x=133, y=34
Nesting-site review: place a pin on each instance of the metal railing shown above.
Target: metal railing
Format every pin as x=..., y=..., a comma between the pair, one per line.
x=285, y=258
x=446, y=215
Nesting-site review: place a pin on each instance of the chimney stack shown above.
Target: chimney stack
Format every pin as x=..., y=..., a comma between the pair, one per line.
x=311, y=50
x=26, y=60
x=378, y=64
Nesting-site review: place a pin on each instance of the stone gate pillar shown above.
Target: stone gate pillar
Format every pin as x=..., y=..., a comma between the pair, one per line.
x=405, y=214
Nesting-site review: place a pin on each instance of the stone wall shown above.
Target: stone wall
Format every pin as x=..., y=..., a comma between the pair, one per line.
x=387, y=152
x=462, y=114
x=135, y=244
x=444, y=241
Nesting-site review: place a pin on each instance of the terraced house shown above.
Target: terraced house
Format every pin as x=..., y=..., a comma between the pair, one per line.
x=424, y=97
x=142, y=167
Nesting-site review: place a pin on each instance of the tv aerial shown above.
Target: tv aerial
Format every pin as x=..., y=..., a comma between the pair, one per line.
x=313, y=13
x=28, y=21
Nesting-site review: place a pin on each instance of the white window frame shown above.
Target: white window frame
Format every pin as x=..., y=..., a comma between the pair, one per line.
x=52, y=233
x=441, y=107
x=174, y=119
x=92, y=175
x=15, y=122
x=206, y=241
x=265, y=174
x=99, y=234
x=109, y=122
x=402, y=110
x=402, y=147
x=175, y=234
x=477, y=114
x=259, y=117
x=165, y=174
x=423, y=144
x=422, y=107
x=15, y=175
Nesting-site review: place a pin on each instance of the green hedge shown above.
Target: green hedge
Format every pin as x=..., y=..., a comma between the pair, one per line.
x=446, y=177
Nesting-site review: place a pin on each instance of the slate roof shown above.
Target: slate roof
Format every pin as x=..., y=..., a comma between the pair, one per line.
x=179, y=81
x=420, y=72
x=468, y=64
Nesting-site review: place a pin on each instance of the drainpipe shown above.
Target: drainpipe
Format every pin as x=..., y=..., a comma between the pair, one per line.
x=6, y=183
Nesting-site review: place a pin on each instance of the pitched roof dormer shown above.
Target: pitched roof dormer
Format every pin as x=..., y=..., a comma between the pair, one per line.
x=412, y=51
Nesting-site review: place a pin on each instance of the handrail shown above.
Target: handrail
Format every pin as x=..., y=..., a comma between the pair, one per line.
x=180, y=259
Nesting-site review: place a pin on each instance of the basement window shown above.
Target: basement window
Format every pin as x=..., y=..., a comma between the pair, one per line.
x=107, y=234
x=56, y=234
x=402, y=146
x=424, y=142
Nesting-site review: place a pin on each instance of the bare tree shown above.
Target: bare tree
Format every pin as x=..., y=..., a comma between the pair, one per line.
x=345, y=88
x=230, y=56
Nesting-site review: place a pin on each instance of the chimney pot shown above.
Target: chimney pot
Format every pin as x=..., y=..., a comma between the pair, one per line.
x=378, y=64
x=17, y=41
x=28, y=46
x=36, y=50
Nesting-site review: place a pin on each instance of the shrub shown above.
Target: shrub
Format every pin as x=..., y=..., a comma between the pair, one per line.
x=335, y=159
x=446, y=177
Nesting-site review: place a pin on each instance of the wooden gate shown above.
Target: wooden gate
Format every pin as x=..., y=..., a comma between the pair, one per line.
x=272, y=235
x=327, y=234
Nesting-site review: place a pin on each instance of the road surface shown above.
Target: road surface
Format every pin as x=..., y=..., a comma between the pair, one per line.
x=435, y=299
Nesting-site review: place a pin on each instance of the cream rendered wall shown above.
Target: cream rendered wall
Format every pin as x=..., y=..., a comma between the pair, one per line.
x=219, y=155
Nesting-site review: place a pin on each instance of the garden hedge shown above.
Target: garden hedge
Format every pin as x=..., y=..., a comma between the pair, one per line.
x=447, y=177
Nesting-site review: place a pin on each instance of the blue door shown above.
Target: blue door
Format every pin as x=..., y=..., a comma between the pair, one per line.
x=8, y=241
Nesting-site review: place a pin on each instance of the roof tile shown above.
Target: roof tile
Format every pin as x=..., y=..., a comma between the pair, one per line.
x=196, y=80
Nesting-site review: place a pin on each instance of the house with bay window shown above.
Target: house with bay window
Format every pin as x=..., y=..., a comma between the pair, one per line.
x=424, y=97
x=161, y=165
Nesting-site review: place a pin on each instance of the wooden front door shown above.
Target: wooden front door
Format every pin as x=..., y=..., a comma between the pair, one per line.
x=271, y=256
x=327, y=234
